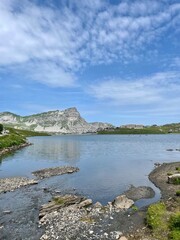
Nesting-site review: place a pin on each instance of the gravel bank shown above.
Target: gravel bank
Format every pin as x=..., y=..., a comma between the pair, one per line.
x=10, y=184
x=49, y=172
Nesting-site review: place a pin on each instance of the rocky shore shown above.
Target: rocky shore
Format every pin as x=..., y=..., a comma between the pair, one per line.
x=13, y=148
x=74, y=217
x=159, y=176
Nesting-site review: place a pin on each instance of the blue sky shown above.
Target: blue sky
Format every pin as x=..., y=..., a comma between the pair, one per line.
x=116, y=61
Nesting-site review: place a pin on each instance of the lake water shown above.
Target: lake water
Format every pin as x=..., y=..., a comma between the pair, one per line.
x=108, y=164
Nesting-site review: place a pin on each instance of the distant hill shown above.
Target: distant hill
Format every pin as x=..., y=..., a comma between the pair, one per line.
x=67, y=121
x=140, y=129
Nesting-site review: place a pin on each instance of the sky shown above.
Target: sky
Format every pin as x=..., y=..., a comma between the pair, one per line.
x=115, y=61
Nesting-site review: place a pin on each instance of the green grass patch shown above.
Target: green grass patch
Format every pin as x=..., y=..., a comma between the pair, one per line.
x=11, y=140
x=164, y=224
x=176, y=181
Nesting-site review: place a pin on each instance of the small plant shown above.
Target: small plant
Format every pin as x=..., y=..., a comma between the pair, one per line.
x=178, y=193
x=176, y=181
x=169, y=174
x=135, y=208
x=58, y=200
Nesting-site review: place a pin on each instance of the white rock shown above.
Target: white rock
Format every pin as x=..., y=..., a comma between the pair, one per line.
x=122, y=202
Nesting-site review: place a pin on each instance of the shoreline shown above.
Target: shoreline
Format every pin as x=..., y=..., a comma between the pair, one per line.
x=14, y=148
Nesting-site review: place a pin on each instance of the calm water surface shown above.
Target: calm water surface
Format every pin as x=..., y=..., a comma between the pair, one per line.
x=108, y=164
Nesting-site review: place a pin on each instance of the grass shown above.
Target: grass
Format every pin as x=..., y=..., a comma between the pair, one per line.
x=176, y=181
x=164, y=223
x=26, y=133
x=11, y=140
x=16, y=137
x=148, y=130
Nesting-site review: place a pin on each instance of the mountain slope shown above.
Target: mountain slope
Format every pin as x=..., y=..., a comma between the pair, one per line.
x=66, y=121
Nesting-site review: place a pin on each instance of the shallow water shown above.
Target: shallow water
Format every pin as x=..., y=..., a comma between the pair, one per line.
x=108, y=164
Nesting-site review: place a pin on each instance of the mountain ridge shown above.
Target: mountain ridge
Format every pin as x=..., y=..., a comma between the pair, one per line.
x=67, y=121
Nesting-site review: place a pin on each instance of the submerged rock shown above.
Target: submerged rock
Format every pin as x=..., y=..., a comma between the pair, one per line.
x=49, y=172
x=136, y=193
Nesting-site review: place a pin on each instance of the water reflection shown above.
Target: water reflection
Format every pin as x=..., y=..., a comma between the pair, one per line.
x=55, y=150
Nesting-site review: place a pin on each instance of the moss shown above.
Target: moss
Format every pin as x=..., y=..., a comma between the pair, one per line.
x=58, y=200
x=87, y=219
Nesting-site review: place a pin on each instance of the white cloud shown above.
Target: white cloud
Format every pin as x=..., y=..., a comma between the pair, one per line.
x=156, y=89
x=66, y=39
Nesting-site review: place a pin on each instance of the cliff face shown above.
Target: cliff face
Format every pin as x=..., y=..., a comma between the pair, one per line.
x=66, y=121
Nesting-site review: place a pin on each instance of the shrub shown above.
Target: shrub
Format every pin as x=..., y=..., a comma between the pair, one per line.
x=174, y=225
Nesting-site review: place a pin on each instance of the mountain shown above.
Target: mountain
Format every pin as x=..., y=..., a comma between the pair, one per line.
x=65, y=121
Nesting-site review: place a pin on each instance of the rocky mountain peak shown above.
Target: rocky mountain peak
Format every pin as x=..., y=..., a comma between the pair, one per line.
x=64, y=121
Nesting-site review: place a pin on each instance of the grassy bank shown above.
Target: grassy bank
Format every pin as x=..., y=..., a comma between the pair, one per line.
x=164, y=220
x=132, y=131
x=16, y=137
x=165, y=129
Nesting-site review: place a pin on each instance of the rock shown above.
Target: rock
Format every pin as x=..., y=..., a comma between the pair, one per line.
x=123, y=238
x=122, y=202
x=48, y=172
x=170, y=149
x=115, y=234
x=136, y=193
x=85, y=203
x=97, y=205
x=59, y=202
x=7, y=212
x=174, y=179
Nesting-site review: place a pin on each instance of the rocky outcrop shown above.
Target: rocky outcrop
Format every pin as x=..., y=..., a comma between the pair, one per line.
x=68, y=121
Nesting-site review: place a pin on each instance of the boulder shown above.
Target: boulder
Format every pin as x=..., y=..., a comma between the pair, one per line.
x=85, y=203
x=122, y=202
x=136, y=193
